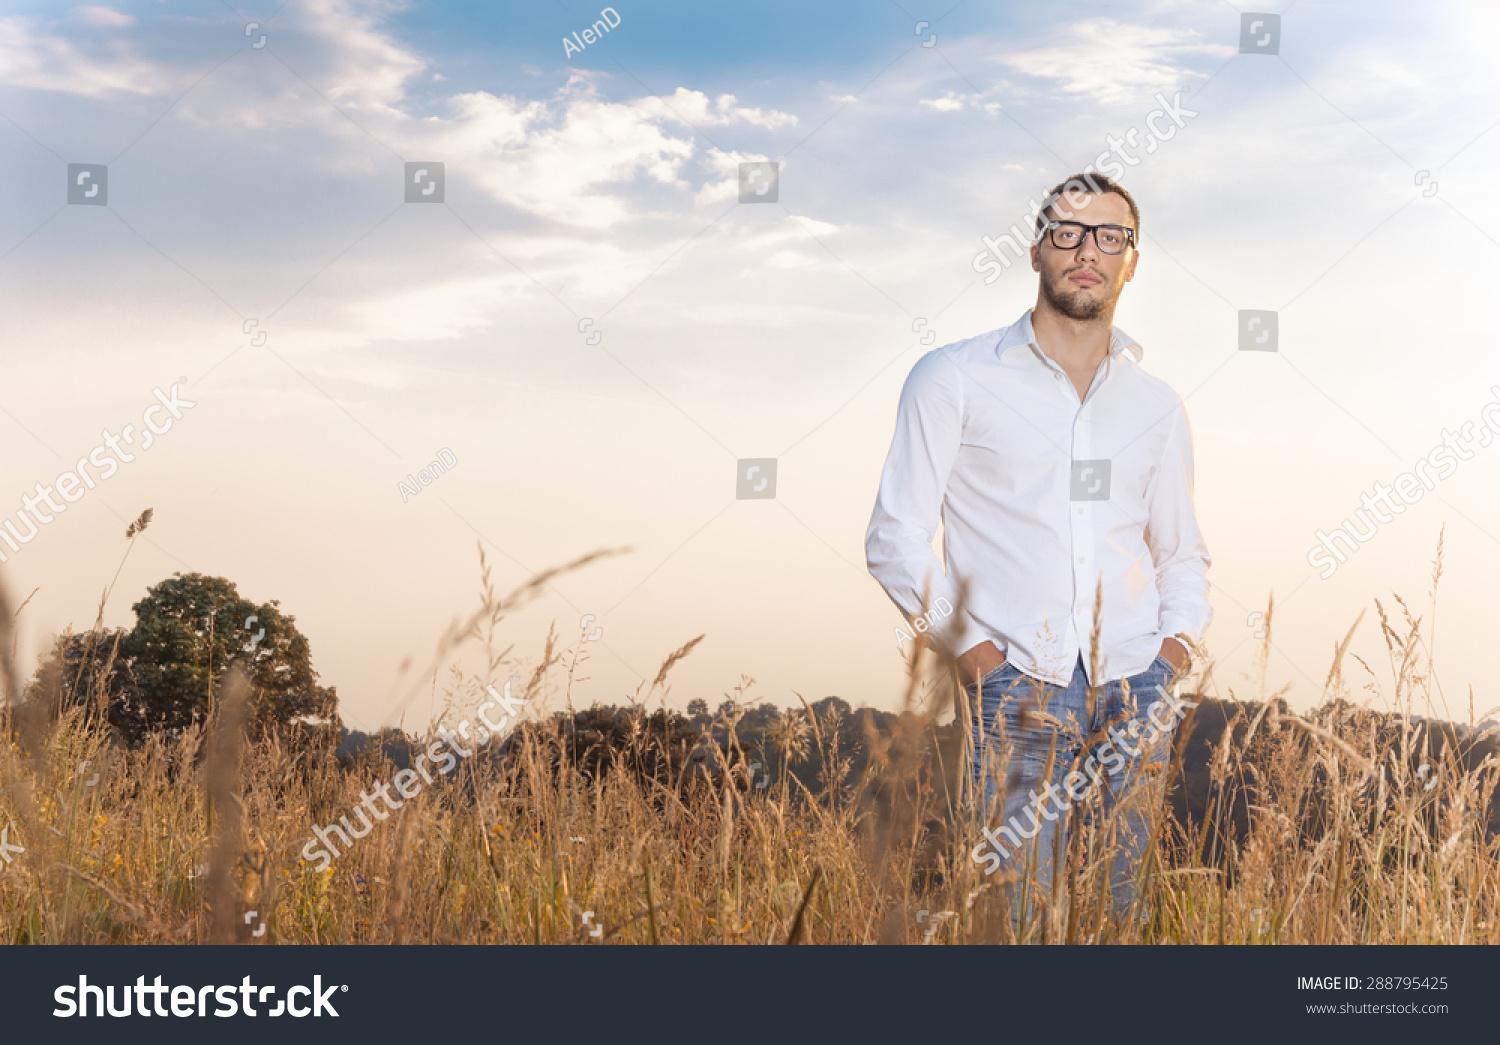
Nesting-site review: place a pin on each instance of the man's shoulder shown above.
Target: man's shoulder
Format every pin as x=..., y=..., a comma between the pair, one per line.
x=981, y=348
x=1150, y=388
x=943, y=371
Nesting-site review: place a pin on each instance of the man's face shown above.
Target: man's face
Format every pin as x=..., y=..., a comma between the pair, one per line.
x=1084, y=283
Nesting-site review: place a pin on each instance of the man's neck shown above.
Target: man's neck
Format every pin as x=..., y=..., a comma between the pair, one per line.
x=1074, y=344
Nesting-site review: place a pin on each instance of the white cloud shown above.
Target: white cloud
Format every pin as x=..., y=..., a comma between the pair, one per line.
x=1111, y=61
x=556, y=159
x=693, y=107
x=104, y=16
x=948, y=103
x=727, y=166
x=339, y=45
x=569, y=158
x=575, y=158
x=366, y=68
x=34, y=58
x=952, y=102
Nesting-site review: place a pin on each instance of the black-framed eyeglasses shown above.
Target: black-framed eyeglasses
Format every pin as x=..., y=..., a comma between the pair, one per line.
x=1112, y=239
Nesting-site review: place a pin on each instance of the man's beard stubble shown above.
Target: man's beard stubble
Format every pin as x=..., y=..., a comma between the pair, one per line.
x=1079, y=304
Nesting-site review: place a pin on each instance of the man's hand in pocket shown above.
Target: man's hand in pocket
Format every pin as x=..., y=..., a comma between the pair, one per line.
x=1175, y=654
x=978, y=662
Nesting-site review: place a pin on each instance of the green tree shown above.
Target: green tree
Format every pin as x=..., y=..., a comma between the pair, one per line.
x=163, y=675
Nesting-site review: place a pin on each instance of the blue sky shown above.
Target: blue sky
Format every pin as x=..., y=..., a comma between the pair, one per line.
x=265, y=184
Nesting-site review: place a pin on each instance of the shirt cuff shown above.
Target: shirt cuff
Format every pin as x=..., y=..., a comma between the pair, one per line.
x=1181, y=629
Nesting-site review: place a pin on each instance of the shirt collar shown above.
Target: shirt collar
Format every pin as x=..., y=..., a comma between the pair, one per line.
x=1020, y=333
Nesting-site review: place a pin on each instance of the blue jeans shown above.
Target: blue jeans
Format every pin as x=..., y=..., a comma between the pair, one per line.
x=1108, y=760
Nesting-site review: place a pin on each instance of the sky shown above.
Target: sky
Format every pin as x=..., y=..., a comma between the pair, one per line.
x=595, y=330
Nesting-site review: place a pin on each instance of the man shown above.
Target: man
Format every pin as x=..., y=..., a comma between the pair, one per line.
x=1063, y=473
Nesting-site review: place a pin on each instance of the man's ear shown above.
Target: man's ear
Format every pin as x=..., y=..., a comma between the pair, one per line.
x=1036, y=257
x=1135, y=256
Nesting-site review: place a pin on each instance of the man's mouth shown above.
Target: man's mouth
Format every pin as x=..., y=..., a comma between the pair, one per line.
x=1087, y=279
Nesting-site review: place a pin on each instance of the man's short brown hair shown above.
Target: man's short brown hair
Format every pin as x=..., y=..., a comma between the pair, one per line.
x=1085, y=182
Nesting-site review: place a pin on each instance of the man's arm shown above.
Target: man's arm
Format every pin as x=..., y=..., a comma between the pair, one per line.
x=898, y=544
x=1177, y=547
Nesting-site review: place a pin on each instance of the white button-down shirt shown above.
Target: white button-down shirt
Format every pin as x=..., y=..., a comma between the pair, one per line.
x=1041, y=497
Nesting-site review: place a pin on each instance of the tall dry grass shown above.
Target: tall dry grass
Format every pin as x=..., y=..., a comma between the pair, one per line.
x=199, y=838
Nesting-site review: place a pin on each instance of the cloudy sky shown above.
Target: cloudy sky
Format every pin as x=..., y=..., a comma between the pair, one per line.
x=597, y=330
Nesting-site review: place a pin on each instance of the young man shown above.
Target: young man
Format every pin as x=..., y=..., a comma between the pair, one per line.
x=1062, y=472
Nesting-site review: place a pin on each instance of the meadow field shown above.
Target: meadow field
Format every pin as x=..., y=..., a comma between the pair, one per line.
x=1371, y=819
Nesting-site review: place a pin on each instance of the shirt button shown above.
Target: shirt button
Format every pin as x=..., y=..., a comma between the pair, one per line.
x=1057, y=377
x=1082, y=560
x=1080, y=511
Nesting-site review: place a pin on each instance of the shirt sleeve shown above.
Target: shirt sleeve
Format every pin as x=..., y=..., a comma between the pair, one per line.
x=898, y=544
x=1176, y=545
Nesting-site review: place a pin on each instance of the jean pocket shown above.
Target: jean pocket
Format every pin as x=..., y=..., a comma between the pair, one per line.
x=988, y=679
x=1145, y=689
